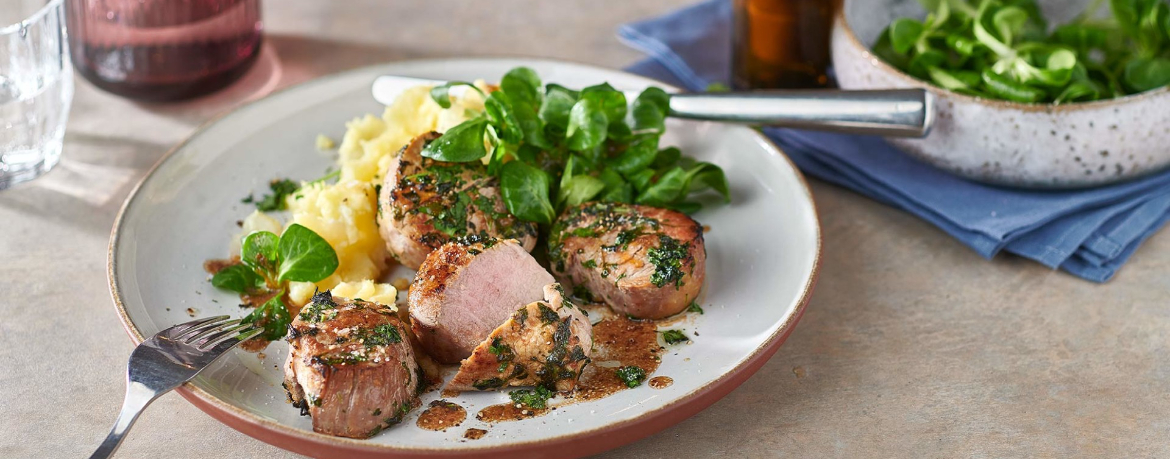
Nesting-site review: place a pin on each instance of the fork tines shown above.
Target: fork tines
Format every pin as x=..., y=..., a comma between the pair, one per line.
x=206, y=333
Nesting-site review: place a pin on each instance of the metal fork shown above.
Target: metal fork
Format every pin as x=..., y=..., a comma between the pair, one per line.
x=166, y=361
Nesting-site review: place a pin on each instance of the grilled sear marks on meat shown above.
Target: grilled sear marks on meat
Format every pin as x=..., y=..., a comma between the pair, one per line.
x=643, y=261
x=463, y=292
x=351, y=367
x=546, y=343
x=425, y=203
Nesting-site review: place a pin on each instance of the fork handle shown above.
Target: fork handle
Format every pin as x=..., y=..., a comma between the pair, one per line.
x=888, y=112
x=138, y=396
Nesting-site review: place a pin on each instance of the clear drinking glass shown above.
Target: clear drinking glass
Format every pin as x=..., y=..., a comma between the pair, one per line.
x=36, y=87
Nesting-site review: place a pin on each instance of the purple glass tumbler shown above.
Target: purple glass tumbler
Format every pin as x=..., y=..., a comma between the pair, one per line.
x=164, y=50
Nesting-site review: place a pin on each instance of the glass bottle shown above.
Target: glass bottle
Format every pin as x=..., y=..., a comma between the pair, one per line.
x=162, y=50
x=781, y=43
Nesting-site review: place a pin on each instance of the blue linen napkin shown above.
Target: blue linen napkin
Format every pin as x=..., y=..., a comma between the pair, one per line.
x=1089, y=233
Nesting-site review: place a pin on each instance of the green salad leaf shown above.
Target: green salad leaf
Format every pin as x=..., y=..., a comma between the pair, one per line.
x=259, y=252
x=523, y=85
x=587, y=125
x=272, y=316
x=525, y=191
x=462, y=143
x=304, y=255
x=577, y=189
x=904, y=34
x=238, y=278
x=1003, y=49
x=558, y=100
x=552, y=147
x=267, y=263
x=442, y=93
x=1146, y=74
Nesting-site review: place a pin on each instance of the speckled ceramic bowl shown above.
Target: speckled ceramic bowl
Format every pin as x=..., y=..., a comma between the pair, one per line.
x=1007, y=143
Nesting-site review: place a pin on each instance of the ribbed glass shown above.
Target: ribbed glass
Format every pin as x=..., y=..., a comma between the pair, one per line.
x=36, y=88
x=164, y=49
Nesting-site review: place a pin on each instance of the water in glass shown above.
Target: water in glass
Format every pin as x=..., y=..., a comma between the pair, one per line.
x=36, y=88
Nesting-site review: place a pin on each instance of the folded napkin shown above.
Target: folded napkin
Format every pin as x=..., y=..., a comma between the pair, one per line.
x=1089, y=233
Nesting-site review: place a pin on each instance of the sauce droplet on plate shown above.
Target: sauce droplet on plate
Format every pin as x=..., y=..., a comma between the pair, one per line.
x=619, y=343
x=661, y=382
x=441, y=415
x=474, y=434
x=508, y=412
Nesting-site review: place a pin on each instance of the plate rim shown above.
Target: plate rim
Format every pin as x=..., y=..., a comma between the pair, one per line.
x=583, y=442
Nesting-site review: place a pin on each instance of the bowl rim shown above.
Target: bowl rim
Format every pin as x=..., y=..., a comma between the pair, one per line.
x=841, y=21
x=578, y=442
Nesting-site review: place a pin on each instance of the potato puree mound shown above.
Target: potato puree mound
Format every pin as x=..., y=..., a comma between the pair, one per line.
x=257, y=221
x=368, y=290
x=344, y=214
x=371, y=142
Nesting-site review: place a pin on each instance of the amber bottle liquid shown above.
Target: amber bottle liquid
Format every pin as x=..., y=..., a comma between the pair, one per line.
x=781, y=43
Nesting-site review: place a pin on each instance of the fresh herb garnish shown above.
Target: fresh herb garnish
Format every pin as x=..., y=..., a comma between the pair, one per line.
x=268, y=263
x=272, y=316
x=674, y=337
x=499, y=349
x=582, y=292
x=381, y=335
x=341, y=359
x=329, y=175
x=631, y=375
x=1001, y=49
x=694, y=307
x=547, y=315
x=503, y=352
x=533, y=398
x=281, y=188
x=491, y=383
x=667, y=259
x=552, y=142
x=319, y=309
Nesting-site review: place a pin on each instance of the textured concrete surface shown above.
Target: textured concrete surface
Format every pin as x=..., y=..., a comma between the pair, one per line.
x=912, y=346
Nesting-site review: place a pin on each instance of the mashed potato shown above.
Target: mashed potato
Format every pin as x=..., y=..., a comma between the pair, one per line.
x=370, y=143
x=344, y=214
x=324, y=142
x=257, y=221
x=301, y=292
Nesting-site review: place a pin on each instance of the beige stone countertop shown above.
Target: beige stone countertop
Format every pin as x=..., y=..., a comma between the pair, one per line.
x=912, y=346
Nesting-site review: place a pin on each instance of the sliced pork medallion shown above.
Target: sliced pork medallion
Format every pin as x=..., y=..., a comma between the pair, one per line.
x=643, y=261
x=546, y=343
x=464, y=291
x=350, y=366
x=425, y=203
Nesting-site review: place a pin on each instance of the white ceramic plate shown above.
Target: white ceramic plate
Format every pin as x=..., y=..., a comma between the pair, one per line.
x=763, y=251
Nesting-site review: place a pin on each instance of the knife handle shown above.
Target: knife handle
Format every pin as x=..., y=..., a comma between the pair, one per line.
x=887, y=112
